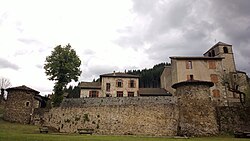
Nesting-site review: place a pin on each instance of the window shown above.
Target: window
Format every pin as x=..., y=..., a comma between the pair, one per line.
x=209, y=54
x=216, y=93
x=93, y=93
x=131, y=84
x=225, y=49
x=108, y=87
x=119, y=93
x=27, y=104
x=213, y=53
x=189, y=65
x=211, y=65
x=119, y=83
x=130, y=94
x=214, y=78
x=190, y=77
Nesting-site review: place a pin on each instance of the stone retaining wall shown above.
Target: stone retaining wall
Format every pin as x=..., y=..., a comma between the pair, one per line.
x=155, y=116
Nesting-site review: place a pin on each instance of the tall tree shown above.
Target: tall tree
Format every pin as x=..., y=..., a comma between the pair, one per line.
x=4, y=84
x=62, y=66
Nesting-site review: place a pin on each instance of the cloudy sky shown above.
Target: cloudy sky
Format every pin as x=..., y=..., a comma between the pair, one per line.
x=116, y=34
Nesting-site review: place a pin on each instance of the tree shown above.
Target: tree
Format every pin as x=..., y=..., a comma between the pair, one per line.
x=237, y=83
x=62, y=66
x=4, y=84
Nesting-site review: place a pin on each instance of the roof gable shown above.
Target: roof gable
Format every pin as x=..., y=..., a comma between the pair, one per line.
x=90, y=85
x=119, y=74
x=23, y=88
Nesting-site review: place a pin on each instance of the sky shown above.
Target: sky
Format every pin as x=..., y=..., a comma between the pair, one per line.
x=116, y=35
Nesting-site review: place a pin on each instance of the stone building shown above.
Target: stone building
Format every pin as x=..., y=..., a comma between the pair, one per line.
x=197, y=115
x=114, y=84
x=216, y=65
x=20, y=104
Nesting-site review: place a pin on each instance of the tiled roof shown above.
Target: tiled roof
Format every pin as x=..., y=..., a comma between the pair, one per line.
x=90, y=85
x=119, y=74
x=153, y=92
x=195, y=58
x=23, y=87
x=193, y=82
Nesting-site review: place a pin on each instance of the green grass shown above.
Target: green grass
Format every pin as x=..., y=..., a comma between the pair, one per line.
x=20, y=132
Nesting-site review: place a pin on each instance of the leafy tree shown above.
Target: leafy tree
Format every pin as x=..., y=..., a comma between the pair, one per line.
x=62, y=66
x=4, y=84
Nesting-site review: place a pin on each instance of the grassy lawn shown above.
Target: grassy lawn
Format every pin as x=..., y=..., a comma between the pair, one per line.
x=19, y=132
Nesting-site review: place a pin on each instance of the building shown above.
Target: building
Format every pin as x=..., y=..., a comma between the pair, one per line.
x=216, y=65
x=116, y=84
x=21, y=103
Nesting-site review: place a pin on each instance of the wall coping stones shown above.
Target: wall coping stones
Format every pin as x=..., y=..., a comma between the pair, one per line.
x=117, y=101
x=192, y=82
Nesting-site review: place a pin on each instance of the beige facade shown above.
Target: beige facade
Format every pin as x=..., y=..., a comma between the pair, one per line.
x=90, y=89
x=216, y=63
x=111, y=85
x=119, y=87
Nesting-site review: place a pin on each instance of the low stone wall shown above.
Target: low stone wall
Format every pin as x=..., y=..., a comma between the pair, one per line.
x=156, y=116
x=232, y=119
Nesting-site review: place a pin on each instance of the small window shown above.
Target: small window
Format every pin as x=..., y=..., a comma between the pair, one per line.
x=209, y=54
x=225, y=49
x=130, y=94
x=213, y=53
x=131, y=84
x=214, y=78
x=190, y=77
x=27, y=104
x=235, y=76
x=119, y=93
x=108, y=87
x=211, y=65
x=216, y=93
x=93, y=93
x=119, y=83
x=189, y=65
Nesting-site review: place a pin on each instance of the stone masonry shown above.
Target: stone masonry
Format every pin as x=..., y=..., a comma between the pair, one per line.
x=154, y=116
x=197, y=115
x=20, y=104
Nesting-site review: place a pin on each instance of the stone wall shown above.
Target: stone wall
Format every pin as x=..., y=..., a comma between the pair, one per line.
x=19, y=106
x=232, y=119
x=118, y=116
x=196, y=111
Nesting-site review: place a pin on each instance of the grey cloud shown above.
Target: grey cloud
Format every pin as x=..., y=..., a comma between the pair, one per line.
x=6, y=64
x=188, y=27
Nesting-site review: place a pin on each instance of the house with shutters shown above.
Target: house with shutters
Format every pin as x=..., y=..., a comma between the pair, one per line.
x=216, y=65
x=116, y=84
